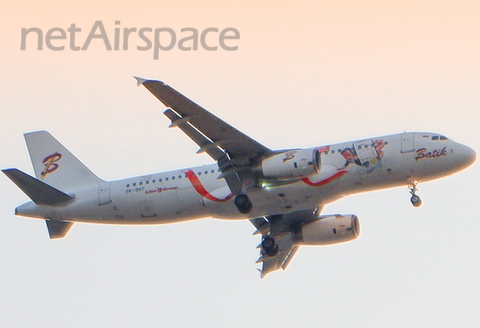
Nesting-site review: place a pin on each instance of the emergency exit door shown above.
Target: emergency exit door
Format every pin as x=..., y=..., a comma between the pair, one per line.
x=104, y=194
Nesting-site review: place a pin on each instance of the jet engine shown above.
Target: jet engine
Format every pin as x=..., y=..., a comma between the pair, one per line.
x=292, y=164
x=327, y=230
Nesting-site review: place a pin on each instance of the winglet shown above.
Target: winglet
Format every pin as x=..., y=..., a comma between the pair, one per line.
x=139, y=80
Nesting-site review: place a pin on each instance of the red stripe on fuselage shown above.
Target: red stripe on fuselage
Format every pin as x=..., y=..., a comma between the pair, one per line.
x=192, y=177
x=324, y=182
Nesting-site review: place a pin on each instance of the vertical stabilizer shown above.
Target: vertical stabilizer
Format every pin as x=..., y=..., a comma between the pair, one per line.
x=55, y=165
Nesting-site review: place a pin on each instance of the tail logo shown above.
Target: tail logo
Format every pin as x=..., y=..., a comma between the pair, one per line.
x=50, y=163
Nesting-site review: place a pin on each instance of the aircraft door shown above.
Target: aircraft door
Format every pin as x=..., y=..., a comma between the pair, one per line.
x=104, y=194
x=408, y=142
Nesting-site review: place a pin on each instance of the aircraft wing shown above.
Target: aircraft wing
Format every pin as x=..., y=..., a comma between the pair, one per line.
x=233, y=150
x=280, y=261
x=185, y=113
x=280, y=227
x=286, y=248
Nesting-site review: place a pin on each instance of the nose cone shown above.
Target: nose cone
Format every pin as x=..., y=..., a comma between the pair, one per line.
x=467, y=155
x=470, y=156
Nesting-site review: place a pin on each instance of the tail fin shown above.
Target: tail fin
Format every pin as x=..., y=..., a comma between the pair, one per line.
x=55, y=165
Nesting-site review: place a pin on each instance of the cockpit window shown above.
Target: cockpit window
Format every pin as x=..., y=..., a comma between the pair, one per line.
x=436, y=138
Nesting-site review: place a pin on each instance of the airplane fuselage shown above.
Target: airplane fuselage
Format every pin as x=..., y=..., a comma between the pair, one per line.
x=200, y=192
x=282, y=193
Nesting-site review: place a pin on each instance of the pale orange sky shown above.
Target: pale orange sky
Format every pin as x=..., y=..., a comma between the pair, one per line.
x=306, y=73
x=323, y=49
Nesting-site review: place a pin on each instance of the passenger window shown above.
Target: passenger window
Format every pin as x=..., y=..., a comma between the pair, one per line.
x=443, y=138
x=435, y=138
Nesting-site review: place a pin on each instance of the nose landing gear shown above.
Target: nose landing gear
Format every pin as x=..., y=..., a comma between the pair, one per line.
x=415, y=199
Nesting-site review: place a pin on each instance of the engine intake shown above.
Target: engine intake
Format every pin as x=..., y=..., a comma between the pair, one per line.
x=292, y=164
x=328, y=230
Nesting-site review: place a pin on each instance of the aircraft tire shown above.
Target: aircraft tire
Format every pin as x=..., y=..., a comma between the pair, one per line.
x=416, y=201
x=270, y=246
x=243, y=203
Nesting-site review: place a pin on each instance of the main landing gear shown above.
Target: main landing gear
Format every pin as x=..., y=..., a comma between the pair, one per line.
x=270, y=246
x=415, y=199
x=243, y=203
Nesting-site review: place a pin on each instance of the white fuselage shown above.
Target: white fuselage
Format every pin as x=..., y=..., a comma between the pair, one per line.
x=198, y=192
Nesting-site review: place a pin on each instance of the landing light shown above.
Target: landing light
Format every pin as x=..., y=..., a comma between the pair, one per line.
x=264, y=184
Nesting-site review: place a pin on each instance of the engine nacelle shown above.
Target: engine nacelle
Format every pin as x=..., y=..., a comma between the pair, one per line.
x=328, y=230
x=292, y=164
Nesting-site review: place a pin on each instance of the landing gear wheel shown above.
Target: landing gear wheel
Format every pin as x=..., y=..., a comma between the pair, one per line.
x=270, y=246
x=416, y=201
x=243, y=203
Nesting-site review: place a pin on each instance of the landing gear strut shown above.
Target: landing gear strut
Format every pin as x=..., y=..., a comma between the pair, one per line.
x=415, y=199
x=243, y=203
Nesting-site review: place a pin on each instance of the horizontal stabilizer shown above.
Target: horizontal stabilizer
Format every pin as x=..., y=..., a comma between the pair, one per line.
x=58, y=229
x=38, y=191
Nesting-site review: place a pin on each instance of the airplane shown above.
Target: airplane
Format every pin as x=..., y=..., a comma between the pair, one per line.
x=281, y=192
